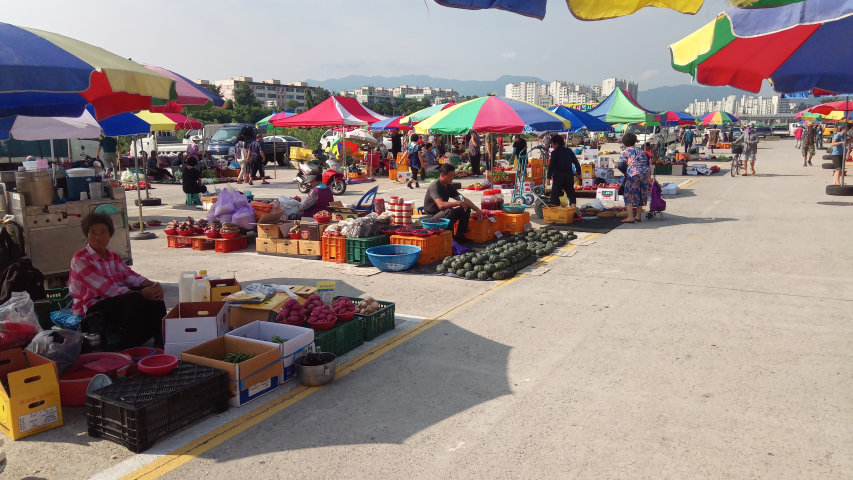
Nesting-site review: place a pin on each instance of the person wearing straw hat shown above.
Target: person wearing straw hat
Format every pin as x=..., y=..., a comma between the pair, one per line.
x=192, y=148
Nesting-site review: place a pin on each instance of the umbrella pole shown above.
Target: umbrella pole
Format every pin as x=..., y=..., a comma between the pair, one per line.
x=274, y=156
x=844, y=140
x=142, y=235
x=52, y=156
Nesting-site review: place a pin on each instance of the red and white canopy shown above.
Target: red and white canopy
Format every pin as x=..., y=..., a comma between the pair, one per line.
x=332, y=112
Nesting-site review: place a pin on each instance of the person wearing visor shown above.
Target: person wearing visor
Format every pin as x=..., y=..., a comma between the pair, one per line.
x=319, y=197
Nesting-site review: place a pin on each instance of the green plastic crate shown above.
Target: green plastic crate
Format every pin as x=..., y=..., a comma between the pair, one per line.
x=344, y=338
x=56, y=299
x=378, y=323
x=357, y=248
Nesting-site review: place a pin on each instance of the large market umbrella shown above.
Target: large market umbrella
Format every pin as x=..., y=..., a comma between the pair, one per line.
x=332, y=112
x=671, y=118
x=620, y=107
x=798, y=45
x=581, y=120
x=43, y=74
x=718, y=118
x=832, y=107
x=163, y=122
x=422, y=115
x=390, y=124
x=581, y=9
x=494, y=115
x=361, y=136
x=191, y=96
x=264, y=122
x=49, y=128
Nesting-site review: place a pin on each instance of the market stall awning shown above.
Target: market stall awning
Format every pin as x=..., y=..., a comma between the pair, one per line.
x=620, y=107
x=581, y=9
x=334, y=111
x=49, y=128
x=422, y=115
x=581, y=120
x=191, y=96
x=492, y=115
x=265, y=122
x=164, y=122
x=390, y=124
x=719, y=118
x=799, y=46
x=43, y=74
x=671, y=118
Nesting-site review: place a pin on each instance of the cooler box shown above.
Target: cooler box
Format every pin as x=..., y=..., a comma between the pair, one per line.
x=78, y=180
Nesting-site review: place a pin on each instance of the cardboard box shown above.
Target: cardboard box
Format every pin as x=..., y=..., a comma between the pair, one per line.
x=587, y=181
x=341, y=212
x=302, y=292
x=311, y=230
x=268, y=226
x=246, y=380
x=190, y=324
x=605, y=173
x=221, y=288
x=298, y=339
x=239, y=315
x=587, y=171
x=309, y=247
x=678, y=169
x=285, y=226
x=29, y=397
x=267, y=245
x=287, y=246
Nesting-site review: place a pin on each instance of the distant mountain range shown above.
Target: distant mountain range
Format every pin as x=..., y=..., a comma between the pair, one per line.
x=464, y=87
x=660, y=99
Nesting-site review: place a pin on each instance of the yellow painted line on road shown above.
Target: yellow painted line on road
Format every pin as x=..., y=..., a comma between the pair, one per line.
x=199, y=446
x=690, y=182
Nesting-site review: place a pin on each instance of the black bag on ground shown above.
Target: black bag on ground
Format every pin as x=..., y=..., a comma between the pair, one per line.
x=22, y=276
x=10, y=252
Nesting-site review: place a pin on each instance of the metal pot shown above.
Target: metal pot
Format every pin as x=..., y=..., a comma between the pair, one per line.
x=319, y=375
x=7, y=177
x=36, y=187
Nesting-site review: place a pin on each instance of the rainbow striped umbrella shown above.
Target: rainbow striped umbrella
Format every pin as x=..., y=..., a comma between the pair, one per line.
x=718, y=118
x=390, y=124
x=677, y=118
x=798, y=45
x=191, y=96
x=581, y=9
x=422, y=115
x=493, y=115
x=43, y=74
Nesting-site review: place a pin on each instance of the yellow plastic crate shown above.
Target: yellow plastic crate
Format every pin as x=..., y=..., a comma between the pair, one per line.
x=299, y=153
x=560, y=215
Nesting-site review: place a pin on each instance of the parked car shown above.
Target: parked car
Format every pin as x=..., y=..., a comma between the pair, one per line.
x=222, y=142
x=763, y=132
x=780, y=130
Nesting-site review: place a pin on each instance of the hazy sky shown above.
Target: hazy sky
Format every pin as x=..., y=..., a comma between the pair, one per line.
x=320, y=39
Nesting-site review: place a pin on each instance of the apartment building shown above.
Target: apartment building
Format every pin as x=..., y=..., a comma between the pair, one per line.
x=525, y=91
x=611, y=84
x=746, y=105
x=271, y=93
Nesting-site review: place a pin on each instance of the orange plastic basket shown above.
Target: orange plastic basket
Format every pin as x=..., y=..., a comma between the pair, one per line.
x=177, y=241
x=224, y=245
x=481, y=230
x=334, y=249
x=430, y=247
x=512, y=223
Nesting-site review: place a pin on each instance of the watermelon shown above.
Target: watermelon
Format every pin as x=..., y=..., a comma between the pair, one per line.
x=461, y=272
x=483, y=276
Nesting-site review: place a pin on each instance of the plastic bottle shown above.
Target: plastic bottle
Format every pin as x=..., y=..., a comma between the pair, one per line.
x=185, y=286
x=200, y=290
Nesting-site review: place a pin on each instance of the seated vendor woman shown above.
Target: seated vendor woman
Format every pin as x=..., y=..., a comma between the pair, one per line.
x=442, y=200
x=191, y=177
x=100, y=281
x=320, y=195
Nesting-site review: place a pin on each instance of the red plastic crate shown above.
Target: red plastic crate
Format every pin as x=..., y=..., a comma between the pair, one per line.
x=430, y=247
x=202, y=244
x=177, y=241
x=334, y=249
x=231, y=245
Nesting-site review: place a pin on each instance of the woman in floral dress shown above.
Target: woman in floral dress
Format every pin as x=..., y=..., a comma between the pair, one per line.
x=638, y=180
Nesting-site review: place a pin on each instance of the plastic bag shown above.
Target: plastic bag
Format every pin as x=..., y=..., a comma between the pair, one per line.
x=66, y=319
x=240, y=199
x=225, y=203
x=61, y=346
x=244, y=217
x=289, y=206
x=18, y=321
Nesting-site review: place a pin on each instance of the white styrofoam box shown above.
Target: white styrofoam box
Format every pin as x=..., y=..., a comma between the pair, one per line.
x=669, y=189
x=607, y=194
x=196, y=322
x=605, y=173
x=587, y=181
x=298, y=339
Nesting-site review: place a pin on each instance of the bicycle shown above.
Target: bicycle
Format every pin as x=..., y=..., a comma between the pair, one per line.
x=737, y=151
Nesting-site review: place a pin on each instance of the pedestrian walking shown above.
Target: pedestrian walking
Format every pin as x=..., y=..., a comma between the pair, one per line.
x=396, y=144
x=749, y=139
x=415, y=154
x=241, y=156
x=637, y=180
x=837, y=152
x=798, y=136
x=518, y=146
x=809, y=144
x=474, y=154
x=257, y=157
x=713, y=138
x=110, y=147
x=688, y=140
x=819, y=142
x=560, y=171
x=500, y=147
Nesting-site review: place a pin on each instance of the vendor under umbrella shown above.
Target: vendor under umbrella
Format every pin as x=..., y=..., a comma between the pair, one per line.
x=101, y=283
x=443, y=200
x=319, y=197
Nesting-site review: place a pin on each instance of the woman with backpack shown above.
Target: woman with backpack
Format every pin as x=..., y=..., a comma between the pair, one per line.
x=417, y=162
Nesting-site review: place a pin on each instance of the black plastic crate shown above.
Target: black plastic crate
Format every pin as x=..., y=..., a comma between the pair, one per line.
x=142, y=409
x=344, y=338
x=377, y=323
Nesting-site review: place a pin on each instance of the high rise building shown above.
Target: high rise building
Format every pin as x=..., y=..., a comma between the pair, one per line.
x=525, y=91
x=611, y=84
x=746, y=105
x=271, y=93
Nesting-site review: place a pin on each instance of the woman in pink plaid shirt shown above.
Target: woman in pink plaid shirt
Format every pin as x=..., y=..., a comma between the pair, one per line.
x=101, y=282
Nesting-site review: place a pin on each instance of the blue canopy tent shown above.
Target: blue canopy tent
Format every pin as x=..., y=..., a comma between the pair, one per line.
x=581, y=120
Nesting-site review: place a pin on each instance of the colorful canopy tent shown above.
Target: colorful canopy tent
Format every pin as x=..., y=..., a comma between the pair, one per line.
x=422, y=115
x=264, y=122
x=581, y=9
x=671, y=118
x=335, y=146
x=581, y=120
x=798, y=45
x=43, y=74
x=191, y=96
x=718, y=118
x=390, y=124
x=492, y=114
x=620, y=107
x=832, y=107
x=334, y=111
x=168, y=121
x=620, y=127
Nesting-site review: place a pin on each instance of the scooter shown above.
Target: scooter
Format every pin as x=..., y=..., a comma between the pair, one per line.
x=333, y=178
